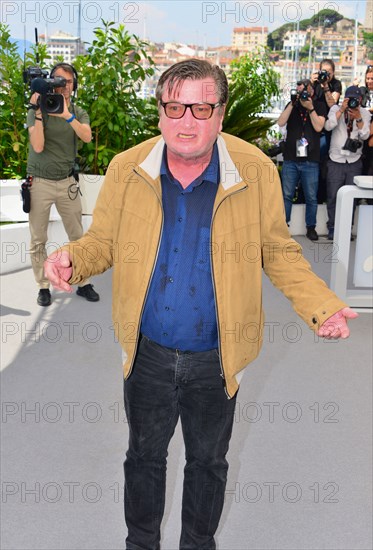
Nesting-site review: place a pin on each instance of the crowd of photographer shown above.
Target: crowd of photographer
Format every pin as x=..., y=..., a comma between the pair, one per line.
x=349, y=126
x=328, y=141
x=304, y=118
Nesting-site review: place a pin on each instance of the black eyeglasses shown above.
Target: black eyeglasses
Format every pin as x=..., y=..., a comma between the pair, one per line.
x=201, y=111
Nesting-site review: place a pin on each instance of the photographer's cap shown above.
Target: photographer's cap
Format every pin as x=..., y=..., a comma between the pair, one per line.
x=305, y=82
x=353, y=91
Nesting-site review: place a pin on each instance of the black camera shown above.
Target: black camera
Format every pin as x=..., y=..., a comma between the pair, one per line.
x=33, y=72
x=276, y=149
x=26, y=195
x=39, y=82
x=353, y=102
x=352, y=145
x=322, y=76
x=293, y=95
x=304, y=95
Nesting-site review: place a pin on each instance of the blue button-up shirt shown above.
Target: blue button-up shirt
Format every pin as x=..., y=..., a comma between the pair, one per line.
x=180, y=306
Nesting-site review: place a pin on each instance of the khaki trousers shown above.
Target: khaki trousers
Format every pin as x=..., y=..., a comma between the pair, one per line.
x=44, y=193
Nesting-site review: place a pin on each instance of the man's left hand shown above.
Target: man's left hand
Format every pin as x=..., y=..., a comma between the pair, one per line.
x=336, y=326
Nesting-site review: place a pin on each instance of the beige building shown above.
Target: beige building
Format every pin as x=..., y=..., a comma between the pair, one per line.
x=331, y=44
x=247, y=38
x=368, y=21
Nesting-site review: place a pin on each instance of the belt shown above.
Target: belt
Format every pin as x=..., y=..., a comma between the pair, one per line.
x=54, y=179
x=173, y=350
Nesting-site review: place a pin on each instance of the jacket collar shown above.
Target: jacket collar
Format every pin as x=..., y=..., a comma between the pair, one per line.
x=152, y=163
x=229, y=175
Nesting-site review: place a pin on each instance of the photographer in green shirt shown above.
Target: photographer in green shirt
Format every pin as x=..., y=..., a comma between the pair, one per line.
x=50, y=169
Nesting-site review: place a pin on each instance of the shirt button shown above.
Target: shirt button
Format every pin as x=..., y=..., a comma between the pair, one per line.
x=176, y=250
x=171, y=280
x=180, y=219
x=165, y=334
x=167, y=308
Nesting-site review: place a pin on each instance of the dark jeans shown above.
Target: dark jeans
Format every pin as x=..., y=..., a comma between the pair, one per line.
x=339, y=174
x=164, y=385
x=324, y=157
x=307, y=172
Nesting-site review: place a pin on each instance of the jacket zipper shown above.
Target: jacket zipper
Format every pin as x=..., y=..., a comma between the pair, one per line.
x=212, y=274
x=214, y=289
x=153, y=269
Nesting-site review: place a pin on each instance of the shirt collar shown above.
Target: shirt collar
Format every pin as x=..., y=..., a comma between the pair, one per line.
x=211, y=173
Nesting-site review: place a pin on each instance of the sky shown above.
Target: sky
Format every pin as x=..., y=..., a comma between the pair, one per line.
x=206, y=23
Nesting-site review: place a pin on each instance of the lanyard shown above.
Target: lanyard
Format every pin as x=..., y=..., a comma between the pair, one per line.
x=304, y=116
x=349, y=122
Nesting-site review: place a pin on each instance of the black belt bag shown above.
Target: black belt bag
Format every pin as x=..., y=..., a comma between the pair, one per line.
x=26, y=195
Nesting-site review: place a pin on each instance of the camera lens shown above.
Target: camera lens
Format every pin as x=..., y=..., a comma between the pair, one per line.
x=353, y=102
x=323, y=76
x=52, y=103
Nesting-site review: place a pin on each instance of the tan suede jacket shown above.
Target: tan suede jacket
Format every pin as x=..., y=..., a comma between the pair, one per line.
x=248, y=234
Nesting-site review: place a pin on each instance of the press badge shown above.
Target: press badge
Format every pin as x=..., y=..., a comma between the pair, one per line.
x=302, y=147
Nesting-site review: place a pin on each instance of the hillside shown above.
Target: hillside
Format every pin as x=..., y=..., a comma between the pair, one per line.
x=324, y=18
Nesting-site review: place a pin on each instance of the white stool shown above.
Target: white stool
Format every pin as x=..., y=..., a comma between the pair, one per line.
x=358, y=298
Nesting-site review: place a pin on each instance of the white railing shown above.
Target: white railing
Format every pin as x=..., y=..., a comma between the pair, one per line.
x=15, y=237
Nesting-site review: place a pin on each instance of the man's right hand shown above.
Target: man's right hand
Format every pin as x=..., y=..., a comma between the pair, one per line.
x=57, y=268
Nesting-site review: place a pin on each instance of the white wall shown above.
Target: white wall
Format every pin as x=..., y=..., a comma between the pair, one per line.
x=15, y=237
x=11, y=204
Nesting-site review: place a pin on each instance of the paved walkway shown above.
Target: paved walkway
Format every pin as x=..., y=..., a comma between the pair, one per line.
x=300, y=456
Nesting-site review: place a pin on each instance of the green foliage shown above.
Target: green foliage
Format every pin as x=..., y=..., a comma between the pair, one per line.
x=368, y=41
x=304, y=52
x=326, y=18
x=111, y=74
x=253, y=86
x=13, y=94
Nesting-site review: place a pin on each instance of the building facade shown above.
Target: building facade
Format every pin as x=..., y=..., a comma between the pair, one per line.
x=294, y=40
x=62, y=44
x=249, y=38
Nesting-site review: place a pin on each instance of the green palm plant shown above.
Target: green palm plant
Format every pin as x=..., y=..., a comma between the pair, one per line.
x=253, y=85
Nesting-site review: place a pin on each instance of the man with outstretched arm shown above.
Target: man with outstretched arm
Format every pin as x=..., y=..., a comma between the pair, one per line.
x=183, y=199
